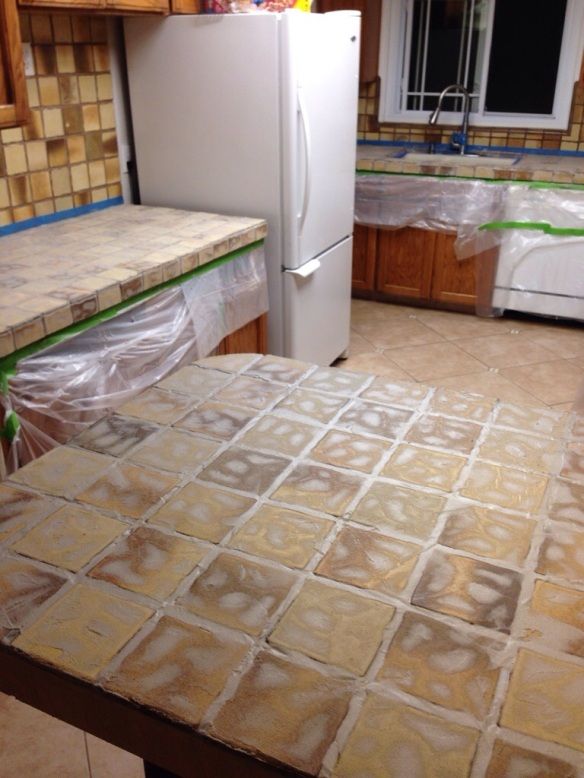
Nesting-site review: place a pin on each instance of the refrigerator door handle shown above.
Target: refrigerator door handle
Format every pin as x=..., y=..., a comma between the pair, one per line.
x=307, y=157
x=305, y=270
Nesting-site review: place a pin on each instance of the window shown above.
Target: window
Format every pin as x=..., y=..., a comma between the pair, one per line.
x=519, y=60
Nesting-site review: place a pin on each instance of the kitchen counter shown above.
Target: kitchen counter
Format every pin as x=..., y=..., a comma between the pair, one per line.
x=63, y=273
x=529, y=167
x=260, y=564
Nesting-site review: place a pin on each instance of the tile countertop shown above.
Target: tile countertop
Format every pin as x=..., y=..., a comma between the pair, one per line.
x=266, y=561
x=63, y=273
x=529, y=167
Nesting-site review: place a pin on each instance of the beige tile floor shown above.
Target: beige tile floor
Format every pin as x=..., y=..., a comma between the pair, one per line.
x=514, y=359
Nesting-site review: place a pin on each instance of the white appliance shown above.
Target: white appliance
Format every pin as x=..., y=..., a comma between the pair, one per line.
x=256, y=115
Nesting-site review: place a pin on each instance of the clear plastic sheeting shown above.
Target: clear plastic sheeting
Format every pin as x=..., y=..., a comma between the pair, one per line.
x=56, y=393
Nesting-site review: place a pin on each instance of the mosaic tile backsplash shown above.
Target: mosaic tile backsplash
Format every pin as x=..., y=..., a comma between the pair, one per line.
x=66, y=155
x=344, y=574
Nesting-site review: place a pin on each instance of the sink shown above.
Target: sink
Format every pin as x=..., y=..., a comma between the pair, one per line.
x=459, y=159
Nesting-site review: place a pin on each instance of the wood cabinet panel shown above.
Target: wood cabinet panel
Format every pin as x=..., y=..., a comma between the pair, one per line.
x=252, y=338
x=404, y=262
x=109, y=6
x=370, y=30
x=148, y=6
x=87, y=5
x=13, y=98
x=453, y=280
x=186, y=6
x=364, y=258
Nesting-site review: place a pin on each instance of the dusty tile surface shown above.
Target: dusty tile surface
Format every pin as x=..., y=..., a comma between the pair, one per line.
x=175, y=450
x=424, y=467
x=129, y=490
x=509, y=760
x=23, y=588
x=64, y=471
x=375, y=418
x=515, y=449
x=562, y=554
x=441, y=432
x=115, y=435
x=285, y=371
x=505, y=486
x=336, y=381
x=320, y=488
x=250, y=471
x=216, y=420
x=308, y=405
x=408, y=395
x=345, y=449
x=157, y=406
x=276, y=433
x=566, y=501
x=19, y=509
x=555, y=618
x=461, y=404
x=195, y=381
x=399, y=509
x=251, y=393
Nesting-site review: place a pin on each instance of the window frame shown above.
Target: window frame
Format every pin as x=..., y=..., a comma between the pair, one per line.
x=393, y=50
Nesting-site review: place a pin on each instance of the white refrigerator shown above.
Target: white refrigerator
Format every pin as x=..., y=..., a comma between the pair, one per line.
x=256, y=115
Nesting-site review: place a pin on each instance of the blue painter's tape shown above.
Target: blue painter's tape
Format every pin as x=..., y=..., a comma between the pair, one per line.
x=36, y=221
x=441, y=148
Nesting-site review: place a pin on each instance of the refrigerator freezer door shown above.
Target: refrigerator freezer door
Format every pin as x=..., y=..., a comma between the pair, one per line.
x=318, y=307
x=320, y=66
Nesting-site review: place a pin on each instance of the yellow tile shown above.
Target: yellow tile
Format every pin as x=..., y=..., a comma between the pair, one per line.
x=53, y=122
x=15, y=157
x=4, y=194
x=107, y=115
x=505, y=486
x=104, y=87
x=36, y=152
x=87, y=89
x=79, y=177
x=11, y=135
x=40, y=185
x=101, y=57
x=65, y=59
x=19, y=187
x=49, y=91
x=91, y=117
x=69, y=89
x=509, y=761
x=63, y=203
x=97, y=173
x=112, y=170
x=62, y=471
x=76, y=148
x=22, y=213
x=61, y=181
x=425, y=467
x=19, y=509
x=25, y=334
x=83, y=630
x=43, y=208
x=32, y=89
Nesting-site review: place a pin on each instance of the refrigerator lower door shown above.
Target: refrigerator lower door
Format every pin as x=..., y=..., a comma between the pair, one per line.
x=317, y=306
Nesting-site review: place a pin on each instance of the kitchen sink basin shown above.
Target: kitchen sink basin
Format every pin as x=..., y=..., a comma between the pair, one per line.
x=459, y=159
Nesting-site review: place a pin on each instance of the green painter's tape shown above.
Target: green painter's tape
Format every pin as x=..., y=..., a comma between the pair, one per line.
x=11, y=426
x=8, y=365
x=540, y=226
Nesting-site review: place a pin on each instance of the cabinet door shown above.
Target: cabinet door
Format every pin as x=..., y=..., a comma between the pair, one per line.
x=453, y=280
x=364, y=258
x=185, y=6
x=13, y=101
x=370, y=30
x=404, y=262
x=148, y=6
x=89, y=5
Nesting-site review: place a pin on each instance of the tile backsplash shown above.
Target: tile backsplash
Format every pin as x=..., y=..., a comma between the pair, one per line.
x=553, y=141
x=66, y=156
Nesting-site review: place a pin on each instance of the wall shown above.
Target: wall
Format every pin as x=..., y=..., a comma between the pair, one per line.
x=67, y=154
x=570, y=140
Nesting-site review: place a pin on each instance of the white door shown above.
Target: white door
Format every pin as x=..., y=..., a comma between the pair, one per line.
x=320, y=67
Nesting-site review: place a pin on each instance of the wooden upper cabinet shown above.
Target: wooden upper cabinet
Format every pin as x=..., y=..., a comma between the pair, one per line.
x=186, y=6
x=370, y=30
x=112, y=6
x=87, y=5
x=13, y=100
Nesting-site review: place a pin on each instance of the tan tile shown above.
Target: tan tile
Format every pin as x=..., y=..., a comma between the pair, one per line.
x=319, y=488
x=438, y=360
x=250, y=392
x=374, y=363
x=370, y=561
x=83, y=630
x=61, y=181
x=173, y=450
x=179, y=668
x=442, y=432
x=392, y=508
x=203, y=512
x=297, y=734
x=53, y=122
x=425, y=467
x=555, y=618
x=406, y=394
x=115, y=435
x=24, y=587
x=285, y=536
x=344, y=449
x=65, y=59
x=70, y=537
x=573, y=466
x=477, y=592
x=32, y=331
x=551, y=382
x=105, y=759
x=195, y=381
x=488, y=533
x=473, y=407
x=286, y=371
x=312, y=406
x=506, y=350
x=36, y=152
x=505, y=486
x=229, y=363
x=49, y=90
x=63, y=471
x=104, y=86
x=491, y=385
x=375, y=418
x=15, y=158
x=157, y=406
x=515, y=449
x=431, y=660
x=336, y=381
x=20, y=191
x=509, y=761
x=539, y=421
x=249, y=471
x=238, y=592
x=566, y=501
x=455, y=326
x=405, y=740
x=149, y=562
x=276, y=433
x=19, y=509
x=128, y=490
x=562, y=554
x=409, y=333
x=216, y=420
x=564, y=342
x=544, y=699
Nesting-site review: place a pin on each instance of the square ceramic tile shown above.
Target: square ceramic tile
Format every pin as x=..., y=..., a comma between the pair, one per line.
x=505, y=486
x=238, y=592
x=370, y=560
x=544, y=699
x=311, y=406
x=23, y=588
x=175, y=450
x=179, y=668
x=129, y=490
x=539, y=421
x=554, y=618
x=250, y=393
x=335, y=381
x=19, y=509
x=230, y=363
x=566, y=501
x=276, y=433
x=149, y=562
x=514, y=449
x=562, y=553
x=391, y=508
x=297, y=733
x=452, y=668
x=157, y=406
x=424, y=467
x=439, y=431
x=285, y=536
x=344, y=449
x=408, y=395
x=319, y=488
x=63, y=471
x=375, y=418
x=195, y=381
x=473, y=407
x=216, y=420
x=249, y=471
x=477, y=592
x=573, y=465
x=509, y=761
x=406, y=742
x=115, y=435
x=70, y=537
x=488, y=533
x=285, y=371
x=333, y=626
x=83, y=630
x=202, y=511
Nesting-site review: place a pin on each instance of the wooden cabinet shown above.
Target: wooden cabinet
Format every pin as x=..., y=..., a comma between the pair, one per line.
x=249, y=339
x=13, y=100
x=370, y=29
x=412, y=264
x=111, y=6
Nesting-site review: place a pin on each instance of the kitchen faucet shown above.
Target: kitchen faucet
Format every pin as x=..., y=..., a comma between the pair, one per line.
x=458, y=139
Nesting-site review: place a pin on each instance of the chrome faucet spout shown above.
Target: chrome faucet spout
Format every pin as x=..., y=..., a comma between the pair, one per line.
x=458, y=139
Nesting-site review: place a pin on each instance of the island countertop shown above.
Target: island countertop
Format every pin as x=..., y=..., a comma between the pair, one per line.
x=59, y=274
x=262, y=565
